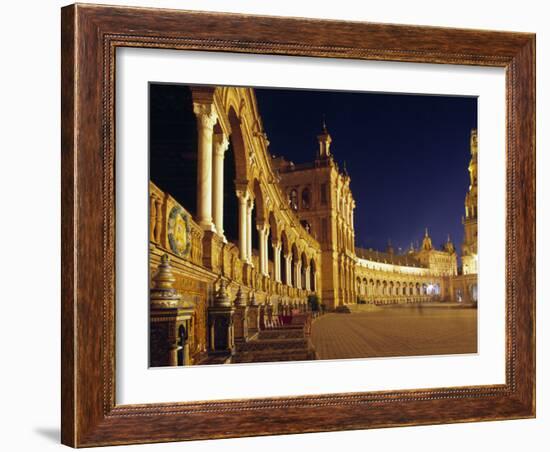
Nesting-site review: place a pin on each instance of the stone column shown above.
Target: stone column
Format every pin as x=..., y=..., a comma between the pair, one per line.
x=249, y=207
x=266, y=251
x=221, y=143
x=206, y=118
x=263, y=232
x=298, y=268
x=288, y=266
x=277, y=260
x=307, y=283
x=242, y=196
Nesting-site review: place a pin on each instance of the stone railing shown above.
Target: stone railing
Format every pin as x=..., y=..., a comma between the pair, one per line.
x=209, y=251
x=160, y=206
x=402, y=299
x=232, y=266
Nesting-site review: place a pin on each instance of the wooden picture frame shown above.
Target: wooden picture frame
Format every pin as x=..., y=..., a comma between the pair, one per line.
x=90, y=36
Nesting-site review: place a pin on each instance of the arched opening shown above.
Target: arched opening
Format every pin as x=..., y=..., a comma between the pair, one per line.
x=284, y=266
x=238, y=145
x=182, y=342
x=306, y=225
x=294, y=265
x=274, y=238
x=303, y=268
x=234, y=168
x=254, y=229
x=306, y=198
x=258, y=219
x=293, y=199
x=230, y=202
x=473, y=293
x=313, y=281
x=270, y=255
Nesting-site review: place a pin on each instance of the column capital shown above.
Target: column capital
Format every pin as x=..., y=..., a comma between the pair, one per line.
x=250, y=203
x=262, y=226
x=206, y=114
x=221, y=144
x=242, y=195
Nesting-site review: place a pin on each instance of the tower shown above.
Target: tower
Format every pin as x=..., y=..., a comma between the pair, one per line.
x=469, y=246
x=324, y=139
x=449, y=247
x=427, y=242
x=329, y=215
x=440, y=262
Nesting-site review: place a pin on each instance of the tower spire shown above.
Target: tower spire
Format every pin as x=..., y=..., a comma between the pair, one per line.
x=427, y=242
x=324, y=141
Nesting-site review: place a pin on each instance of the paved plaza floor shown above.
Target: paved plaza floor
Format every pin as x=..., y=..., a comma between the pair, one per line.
x=396, y=331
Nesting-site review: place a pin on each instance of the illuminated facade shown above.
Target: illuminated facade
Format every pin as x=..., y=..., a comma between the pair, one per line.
x=469, y=247
x=259, y=235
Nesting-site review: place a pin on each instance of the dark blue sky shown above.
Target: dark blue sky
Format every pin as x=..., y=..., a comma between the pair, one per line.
x=407, y=156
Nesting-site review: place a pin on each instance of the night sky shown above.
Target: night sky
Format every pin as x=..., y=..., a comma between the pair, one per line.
x=407, y=156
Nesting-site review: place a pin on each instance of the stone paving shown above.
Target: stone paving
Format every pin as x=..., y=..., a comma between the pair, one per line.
x=396, y=331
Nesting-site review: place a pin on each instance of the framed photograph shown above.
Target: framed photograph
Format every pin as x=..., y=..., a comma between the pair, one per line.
x=281, y=225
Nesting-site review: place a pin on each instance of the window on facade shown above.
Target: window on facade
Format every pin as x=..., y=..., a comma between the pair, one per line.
x=306, y=198
x=306, y=225
x=293, y=199
x=324, y=197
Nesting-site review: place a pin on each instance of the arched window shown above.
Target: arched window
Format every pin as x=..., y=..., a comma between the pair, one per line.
x=306, y=225
x=293, y=199
x=306, y=198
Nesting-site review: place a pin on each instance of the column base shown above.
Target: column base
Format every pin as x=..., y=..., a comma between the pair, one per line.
x=207, y=225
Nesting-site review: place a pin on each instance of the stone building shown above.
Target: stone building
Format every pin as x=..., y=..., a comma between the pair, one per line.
x=319, y=194
x=238, y=236
x=469, y=247
x=464, y=286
